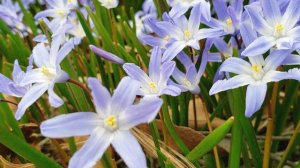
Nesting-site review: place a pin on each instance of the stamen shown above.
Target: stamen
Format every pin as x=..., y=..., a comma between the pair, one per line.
x=187, y=34
x=228, y=21
x=256, y=68
x=279, y=27
x=45, y=70
x=111, y=121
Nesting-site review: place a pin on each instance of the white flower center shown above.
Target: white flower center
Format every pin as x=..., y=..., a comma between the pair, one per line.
x=49, y=72
x=111, y=122
x=257, y=71
x=153, y=87
x=187, y=34
x=278, y=30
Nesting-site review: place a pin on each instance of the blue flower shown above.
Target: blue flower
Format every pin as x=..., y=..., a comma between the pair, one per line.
x=110, y=125
x=256, y=75
x=156, y=83
x=274, y=28
x=44, y=77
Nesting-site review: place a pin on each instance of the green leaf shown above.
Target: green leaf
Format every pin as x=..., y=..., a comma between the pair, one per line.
x=209, y=142
x=23, y=149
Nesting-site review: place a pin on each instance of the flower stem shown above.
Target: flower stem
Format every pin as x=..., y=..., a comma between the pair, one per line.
x=270, y=127
x=8, y=101
x=216, y=154
x=291, y=142
x=81, y=85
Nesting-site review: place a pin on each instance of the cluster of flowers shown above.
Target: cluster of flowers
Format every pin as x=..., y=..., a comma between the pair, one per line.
x=265, y=33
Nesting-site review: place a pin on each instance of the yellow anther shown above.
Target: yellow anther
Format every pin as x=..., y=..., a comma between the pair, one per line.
x=166, y=38
x=111, y=121
x=187, y=34
x=228, y=21
x=256, y=68
x=45, y=70
x=279, y=27
x=152, y=85
x=60, y=12
x=187, y=83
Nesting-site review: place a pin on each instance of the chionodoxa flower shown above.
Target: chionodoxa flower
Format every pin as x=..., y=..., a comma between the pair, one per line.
x=110, y=125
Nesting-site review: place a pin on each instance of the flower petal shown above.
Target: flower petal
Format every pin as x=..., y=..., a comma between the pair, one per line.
x=154, y=65
x=107, y=55
x=236, y=65
x=136, y=73
x=255, y=96
x=101, y=95
x=275, y=76
x=144, y=112
x=92, y=150
x=67, y=125
x=34, y=76
x=129, y=149
x=167, y=69
x=29, y=98
x=64, y=51
x=275, y=59
x=259, y=46
x=291, y=15
x=54, y=99
x=124, y=94
x=261, y=25
x=231, y=83
x=171, y=90
x=209, y=33
x=294, y=73
x=172, y=50
x=40, y=55
x=271, y=11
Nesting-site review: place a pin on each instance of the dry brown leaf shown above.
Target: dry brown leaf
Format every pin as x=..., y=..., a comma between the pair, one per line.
x=6, y=164
x=201, y=121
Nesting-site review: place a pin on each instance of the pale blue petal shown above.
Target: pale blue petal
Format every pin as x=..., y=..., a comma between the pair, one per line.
x=261, y=25
x=172, y=50
x=259, y=46
x=271, y=11
x=67, y=125
x=209, y=33
x=291, y=59
x=292, y=14
x=129, y=149
x=231, y=83
x=171, y=90
x=248, y=33
x=154, y=65
x=40, y=55
x=205, y=10
x=34, y=76
x=178, y=10
x=29, y=98
x=220, y=7
x=101, y=95
x=124, y=94
x=54, y=99
x=255, y=97
x=4, y=83
x=167, y=69
x=136, y=73
x=93, y=149
x=194, y=20
x=144, y=112
x=64, y=51
x=275, y=76
x=107, y=55
x=294, y=73
x=192, y=74
x=275, y=59
x=61, y=76
x=184, y=59
x=236, y=65
x=46, y=13
x=17, y=72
